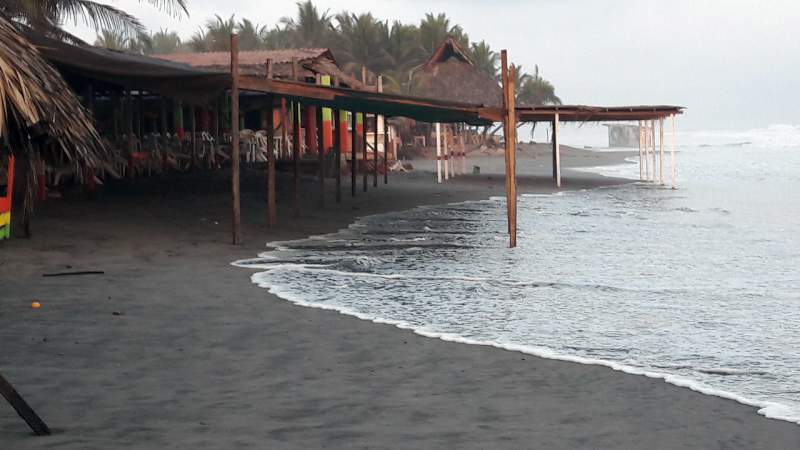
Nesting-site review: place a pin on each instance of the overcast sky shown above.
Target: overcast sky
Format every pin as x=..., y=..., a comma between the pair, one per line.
x=733, y=63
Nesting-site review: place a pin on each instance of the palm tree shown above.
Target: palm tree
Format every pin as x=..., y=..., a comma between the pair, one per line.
x=217, y=34
x=164, y=42
x=249, y=35
x=535, y=90
x=117, y=40
x=434, y=30
x=361, y=40
x=48, y=16
x=199, y=41
x=485, y=58
x=276, y=38
x=111, y=39
x=311, y=29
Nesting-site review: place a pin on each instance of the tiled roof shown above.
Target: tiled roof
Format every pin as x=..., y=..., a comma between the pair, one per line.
x=248, y=57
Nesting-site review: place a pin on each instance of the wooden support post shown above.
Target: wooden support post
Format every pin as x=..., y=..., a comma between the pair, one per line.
x=375, y=154
x=115, y=115
x=140, y=116
x=463, y=153
x=296, y=125
x=129, y=129
x=284, y=129
x=164, y=140
x=320, y=156
x=508, y=77
x=438, y=152
x=557, y=147
x=295, y=69
x=641, y=155
x=554, y=143
x=364, y=155
x=272, y=216
x=193, y=113
x=646, y=150
x=653, y=146
x=235, y=185
x=661, y=150
x=672, y=154
x=22, y=408
x=385, y=151
x=353, y=152
x=446, y=154
x=337, y=148
x=270, y=69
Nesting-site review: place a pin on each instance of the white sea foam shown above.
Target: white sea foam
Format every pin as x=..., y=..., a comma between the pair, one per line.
x=770, y=410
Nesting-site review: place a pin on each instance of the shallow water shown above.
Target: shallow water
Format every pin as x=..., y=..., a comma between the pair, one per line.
x=699, y=285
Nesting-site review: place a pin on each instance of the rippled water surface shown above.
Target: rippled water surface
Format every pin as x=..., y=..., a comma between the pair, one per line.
x=700, y=285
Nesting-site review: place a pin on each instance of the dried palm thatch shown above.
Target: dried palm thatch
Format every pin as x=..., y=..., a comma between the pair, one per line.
x=33, y=95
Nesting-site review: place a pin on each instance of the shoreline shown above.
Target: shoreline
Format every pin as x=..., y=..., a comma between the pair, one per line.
x=768, y=409
x=201, y=357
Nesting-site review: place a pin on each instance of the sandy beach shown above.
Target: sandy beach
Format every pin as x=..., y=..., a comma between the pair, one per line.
x=172, y=347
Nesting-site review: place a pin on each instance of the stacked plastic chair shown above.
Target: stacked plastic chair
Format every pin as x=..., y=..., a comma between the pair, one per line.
x=5, y=203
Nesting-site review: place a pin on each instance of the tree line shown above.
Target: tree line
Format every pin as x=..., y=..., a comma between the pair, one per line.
x=392, y=49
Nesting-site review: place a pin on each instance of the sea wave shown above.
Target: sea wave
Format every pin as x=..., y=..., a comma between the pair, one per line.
x=772, y=410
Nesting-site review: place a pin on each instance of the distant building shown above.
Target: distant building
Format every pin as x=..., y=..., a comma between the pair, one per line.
x=620, y=135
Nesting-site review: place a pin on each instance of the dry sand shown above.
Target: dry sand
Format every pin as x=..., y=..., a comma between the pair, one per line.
x=197, y=356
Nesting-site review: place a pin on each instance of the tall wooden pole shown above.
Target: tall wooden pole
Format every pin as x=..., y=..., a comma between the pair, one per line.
x=646, y=150
x=641, y=159
x=557, y=145
x=321, y=156
x=661, y=150
x=375, y=154
x=193, y=113
x=364, y=156
x=653, y=143
x=672, y=153
x=385, y=151
x=511, y=147
x=446, y=154
x=353, y=153
x=337, y=148
x=129, y=129
x=438, y=152
x=296, y=155
x=272, y=215
x=235, y=185
x=164, y=140
x=554, y=143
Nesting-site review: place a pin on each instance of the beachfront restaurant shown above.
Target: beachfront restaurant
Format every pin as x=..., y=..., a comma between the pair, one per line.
x=184, y=113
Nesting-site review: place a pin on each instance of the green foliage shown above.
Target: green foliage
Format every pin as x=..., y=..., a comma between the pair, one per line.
x=395, y=50
x=48, y=16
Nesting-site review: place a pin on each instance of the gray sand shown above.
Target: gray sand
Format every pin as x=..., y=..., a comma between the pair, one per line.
x=199, y=357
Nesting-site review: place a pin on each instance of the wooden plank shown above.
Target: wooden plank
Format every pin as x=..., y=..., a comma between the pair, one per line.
x=22, y=408
x=235, y=184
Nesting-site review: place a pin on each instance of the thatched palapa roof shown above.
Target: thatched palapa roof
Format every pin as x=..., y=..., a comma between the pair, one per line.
x=33, y=93
x=449, y=74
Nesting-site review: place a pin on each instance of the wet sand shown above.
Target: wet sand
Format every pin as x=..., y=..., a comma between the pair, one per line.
x=174, y=348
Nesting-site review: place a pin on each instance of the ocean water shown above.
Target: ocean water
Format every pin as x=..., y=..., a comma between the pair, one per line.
x=699, y=286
